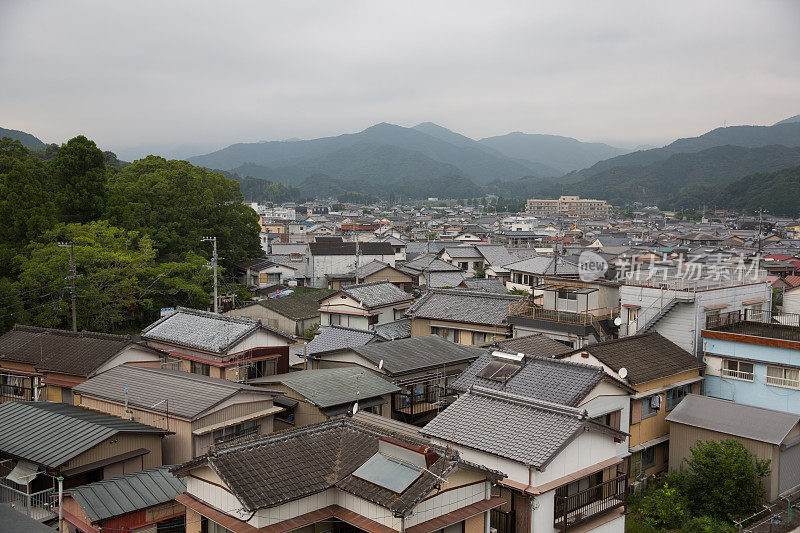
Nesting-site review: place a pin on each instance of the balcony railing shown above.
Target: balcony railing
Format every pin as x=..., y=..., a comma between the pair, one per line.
x=758, y=323
x=578, y=508
x=783, y=382
x=736, y=374
x=693, y=281
x=38, y=505
x=528, y=310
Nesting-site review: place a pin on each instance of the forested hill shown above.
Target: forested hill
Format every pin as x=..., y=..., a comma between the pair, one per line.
x=27, y=140
x=775, y=192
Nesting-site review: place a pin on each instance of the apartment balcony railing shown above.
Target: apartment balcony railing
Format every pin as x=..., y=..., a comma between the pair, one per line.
x=694, y=281
x=37, y=505
x=736, y=374
x=526, y=309
x=757, y=322
x=783, y=382
x=583, y=506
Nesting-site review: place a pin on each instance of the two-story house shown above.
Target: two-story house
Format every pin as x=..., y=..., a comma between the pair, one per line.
x=364, y=306
x=561, y=467
x=359, y=477
x=333, y=258
x=464, y=317
x=661, y=374
x=227, y=347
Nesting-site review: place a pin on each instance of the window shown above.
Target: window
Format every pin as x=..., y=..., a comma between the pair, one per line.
x=463, y=265
x=287, y=415
x=238, y=431
x=262, y=368
x=567, y=295
x=674, y=396
x=479, y=337
x=648, y=458
x=372, y=320
x=207, y=526
x=201, y=368
x=636, y=465
x=611, y=419
x=650, y=406
x=274, y=279
x=780, y=376
x=446, y=333
x=737, y=370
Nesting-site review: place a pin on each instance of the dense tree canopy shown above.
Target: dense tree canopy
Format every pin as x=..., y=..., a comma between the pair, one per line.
x=136, y=231
x=177, y=204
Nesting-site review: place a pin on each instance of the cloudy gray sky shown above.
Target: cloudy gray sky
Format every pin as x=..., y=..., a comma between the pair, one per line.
x=186, y=77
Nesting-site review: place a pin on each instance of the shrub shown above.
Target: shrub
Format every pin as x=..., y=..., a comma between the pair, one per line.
x=707, y=524
x=663, y=507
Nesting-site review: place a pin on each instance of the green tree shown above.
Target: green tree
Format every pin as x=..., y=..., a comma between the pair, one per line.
x=120, y=285
x=479, y=271
x=80, y=174
x=664, y=507
x=177, y=204
x=724, y=480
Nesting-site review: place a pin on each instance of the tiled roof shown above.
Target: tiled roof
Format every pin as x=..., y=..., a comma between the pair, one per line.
x=485, y=284
x=266, y=472
x=398, y=329
x=51, y=434
x=349, y=248
x=125, y=494
x=203, y=330
x=370, y=268
x=376, y=294
x=331, y=338
x=507, y=425
x=428, y=262
x=646, y=357
x=417, y=353
x=464, y=306
x=334, y=386
x=438, y=280
x=536, y=344
x=462, y=252
x=299, y=305
x=77, y=354
x=723, y=416
x=544, y=265
x=180, y=393
x=539, y=378
x=496, y=255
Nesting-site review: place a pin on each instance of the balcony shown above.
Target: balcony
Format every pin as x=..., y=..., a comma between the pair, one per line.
x=736, y=374
x=38, y=505
x=581, y=323
x=575, y=509
x=757, y=323
x=692, y=280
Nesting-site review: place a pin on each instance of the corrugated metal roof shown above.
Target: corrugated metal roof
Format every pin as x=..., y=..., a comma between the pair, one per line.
x=51, y=434
x=334, y=386
x=417, y=353
x=126, y=494
x=756, y=423
x=189, y=395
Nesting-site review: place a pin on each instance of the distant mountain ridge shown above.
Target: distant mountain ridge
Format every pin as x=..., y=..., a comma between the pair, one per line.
x=27, y=140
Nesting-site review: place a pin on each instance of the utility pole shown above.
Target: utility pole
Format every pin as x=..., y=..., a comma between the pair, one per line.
x=214, y=266
x=357, y=254
x=72, y=276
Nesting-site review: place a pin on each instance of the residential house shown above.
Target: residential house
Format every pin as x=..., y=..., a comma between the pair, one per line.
x=365, y=305
x=753, y=359
x=293, y=314
x=573, y=312
x=527, y=274
x=372, y=272
x=219, y=346
x=328, y=393
x=467, y=258
x=431, y=272
x=199, y=411
x=260, y=273
x=678, y=306
x=332, y=258
x=40, y=441
x=141, y=501
x=44, y=363
x=662, y=374
x=423, y=367
x=766, y=433
x=464, y=317
x=335, y=338
x=483, y=284
x=561, y=468
x=360, y=477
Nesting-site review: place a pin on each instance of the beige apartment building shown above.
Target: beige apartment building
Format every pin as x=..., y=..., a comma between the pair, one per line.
x=568, y=205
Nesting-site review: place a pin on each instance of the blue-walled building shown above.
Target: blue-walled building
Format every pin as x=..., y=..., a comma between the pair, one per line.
x=754, y=363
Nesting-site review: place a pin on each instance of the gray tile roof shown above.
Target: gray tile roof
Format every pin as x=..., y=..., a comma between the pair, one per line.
x=77, y=354
x=536, y=344
x=331, y=338
x=370, y=268
x=203, y=330
x=428, y=262
x=398, y=329
x=297, y=306
x=756, y=423
x=50, y=434
x=333, y=386
x=190, y=395
x=539, y=378
x=377, y=294
x=544, y=266
x=462, y=252
x=266, y=472
x=464, y=306
x=506, y=425
x=496, y=255
x=418, y=353
x=646, y=357
x=484, y=284
x=438, y=280
x=125, y=494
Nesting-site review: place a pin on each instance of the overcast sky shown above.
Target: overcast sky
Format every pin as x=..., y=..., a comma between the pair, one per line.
x=186, y=77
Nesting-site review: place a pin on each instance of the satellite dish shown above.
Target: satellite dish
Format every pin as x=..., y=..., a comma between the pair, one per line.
x=617, y=321
x=355, y=408
x=623, y=372
x=380, y=364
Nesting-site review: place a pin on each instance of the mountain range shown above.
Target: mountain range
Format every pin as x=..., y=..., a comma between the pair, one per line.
x=27, y=140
